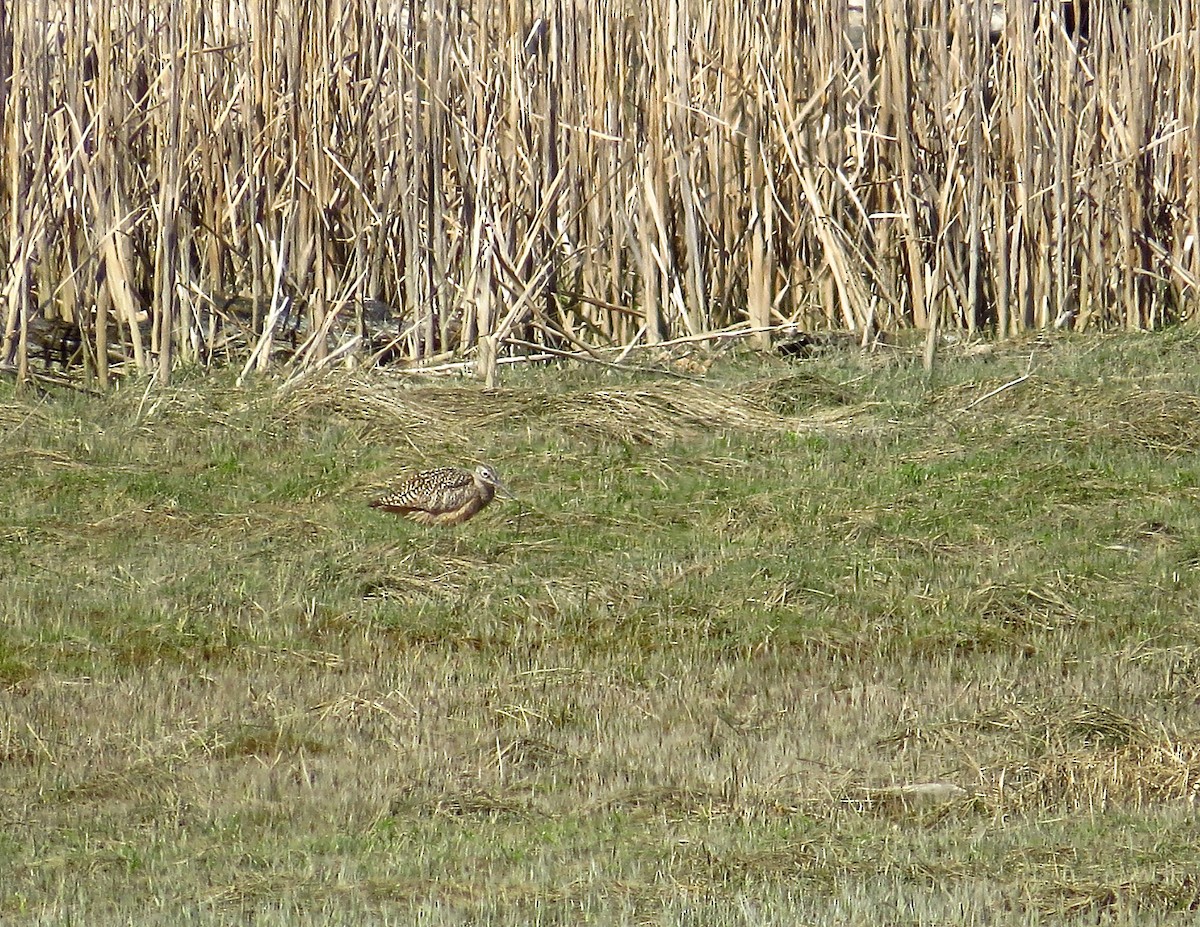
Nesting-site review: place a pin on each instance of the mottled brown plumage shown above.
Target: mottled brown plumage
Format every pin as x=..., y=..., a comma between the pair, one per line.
x=443, y=496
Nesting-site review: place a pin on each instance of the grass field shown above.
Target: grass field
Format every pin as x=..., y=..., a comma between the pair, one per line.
x=823, y=642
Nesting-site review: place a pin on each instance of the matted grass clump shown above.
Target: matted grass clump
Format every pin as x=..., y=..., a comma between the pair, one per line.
x=646, y=413
x=801, y=642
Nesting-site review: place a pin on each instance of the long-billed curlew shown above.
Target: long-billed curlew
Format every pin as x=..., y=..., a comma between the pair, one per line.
x=443, y=496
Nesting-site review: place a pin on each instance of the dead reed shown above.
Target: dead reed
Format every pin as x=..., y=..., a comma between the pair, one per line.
x=190, y=182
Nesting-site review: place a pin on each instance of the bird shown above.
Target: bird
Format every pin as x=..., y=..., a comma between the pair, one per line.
x=442, y=496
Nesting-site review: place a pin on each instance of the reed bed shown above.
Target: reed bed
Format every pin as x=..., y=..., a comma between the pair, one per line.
x=239, y=182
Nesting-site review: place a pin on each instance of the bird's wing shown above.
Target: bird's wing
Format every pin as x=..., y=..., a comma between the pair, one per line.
x=436, y=492
x=430, y=491
x=445, y=477
x=448, y=497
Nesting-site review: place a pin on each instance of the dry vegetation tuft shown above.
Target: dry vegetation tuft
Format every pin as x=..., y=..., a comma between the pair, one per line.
x=653, y=413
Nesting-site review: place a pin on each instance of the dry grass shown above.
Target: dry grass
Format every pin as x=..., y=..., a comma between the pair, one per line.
x=654, y=414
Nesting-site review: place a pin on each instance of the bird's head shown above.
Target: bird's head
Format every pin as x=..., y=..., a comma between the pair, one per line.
x=487, y=475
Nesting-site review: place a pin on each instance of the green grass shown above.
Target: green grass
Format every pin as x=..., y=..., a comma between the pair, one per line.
x=689, y=675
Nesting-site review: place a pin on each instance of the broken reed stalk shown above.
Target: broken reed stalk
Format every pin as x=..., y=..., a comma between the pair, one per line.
x=474, y=167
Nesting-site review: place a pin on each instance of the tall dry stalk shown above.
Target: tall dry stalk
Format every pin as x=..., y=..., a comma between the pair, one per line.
x=485, y=175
